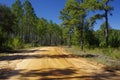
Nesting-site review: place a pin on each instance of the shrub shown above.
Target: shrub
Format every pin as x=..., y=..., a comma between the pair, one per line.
x=107, y=51
x=15, y=43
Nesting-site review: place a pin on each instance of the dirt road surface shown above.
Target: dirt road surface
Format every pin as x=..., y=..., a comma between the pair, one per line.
x=54, y=63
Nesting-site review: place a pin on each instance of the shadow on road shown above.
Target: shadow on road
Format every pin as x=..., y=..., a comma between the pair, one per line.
x=19, y=51
x=61, y=74
x=21, y=56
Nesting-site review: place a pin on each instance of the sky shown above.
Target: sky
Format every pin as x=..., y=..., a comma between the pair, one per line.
x=50, y=10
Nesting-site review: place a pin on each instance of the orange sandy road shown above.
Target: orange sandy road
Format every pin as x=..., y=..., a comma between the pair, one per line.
x=53, y=63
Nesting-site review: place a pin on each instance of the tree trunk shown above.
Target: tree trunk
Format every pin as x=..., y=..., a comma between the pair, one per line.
x=81, y=33
x=69, y=40
x=81, y=38
x=106, y=28
x=50, y=43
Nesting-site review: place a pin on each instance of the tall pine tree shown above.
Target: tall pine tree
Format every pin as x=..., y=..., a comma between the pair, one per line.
x=74, y=15
x=18, y=11
x=30, y=21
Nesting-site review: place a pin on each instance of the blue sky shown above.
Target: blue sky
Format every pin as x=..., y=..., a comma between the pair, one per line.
x=50, y=9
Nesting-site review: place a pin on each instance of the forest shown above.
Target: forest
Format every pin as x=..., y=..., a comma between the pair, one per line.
x=36, y=48
x=20, y=26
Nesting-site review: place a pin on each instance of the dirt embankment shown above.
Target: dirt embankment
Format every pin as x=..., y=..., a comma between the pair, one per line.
x=53, y=63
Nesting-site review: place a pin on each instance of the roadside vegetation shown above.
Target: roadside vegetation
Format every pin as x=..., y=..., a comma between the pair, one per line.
x=102, y=45
x=109, y=57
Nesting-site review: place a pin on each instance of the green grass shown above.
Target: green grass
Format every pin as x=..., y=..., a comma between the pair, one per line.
x=107, y=56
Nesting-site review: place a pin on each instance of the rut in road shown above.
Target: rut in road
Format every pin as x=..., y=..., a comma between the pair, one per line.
x=54, y=63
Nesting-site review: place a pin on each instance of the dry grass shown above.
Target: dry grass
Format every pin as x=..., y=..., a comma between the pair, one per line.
x=3, y=54
x=107, y=56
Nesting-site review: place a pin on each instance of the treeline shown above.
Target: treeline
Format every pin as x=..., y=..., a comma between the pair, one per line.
x=79, y=24
x=19, y=25
x=92, y=38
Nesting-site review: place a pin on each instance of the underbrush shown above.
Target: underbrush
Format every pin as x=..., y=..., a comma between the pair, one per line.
x=107, y=56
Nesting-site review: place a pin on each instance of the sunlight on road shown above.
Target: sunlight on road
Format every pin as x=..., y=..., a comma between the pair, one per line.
x=53, y=63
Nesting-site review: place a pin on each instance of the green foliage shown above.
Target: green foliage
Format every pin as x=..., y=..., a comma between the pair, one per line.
x=100, y=36
x=101, y=5
x=91, y=41
x=111, y=52
x=74, y=16
x=17, y=9
x=114, y=38
x=107, y=51
x=15, y=43
x=7, y=22
x=107, y=56
x=30, y=22
x=75, y=38
x=19, y=25
x=7, y=19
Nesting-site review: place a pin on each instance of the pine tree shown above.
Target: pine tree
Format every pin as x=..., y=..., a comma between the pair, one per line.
x=74, y=16
x=18, y=11
x=7, y=23
x=101, y=5
x=30, y=21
